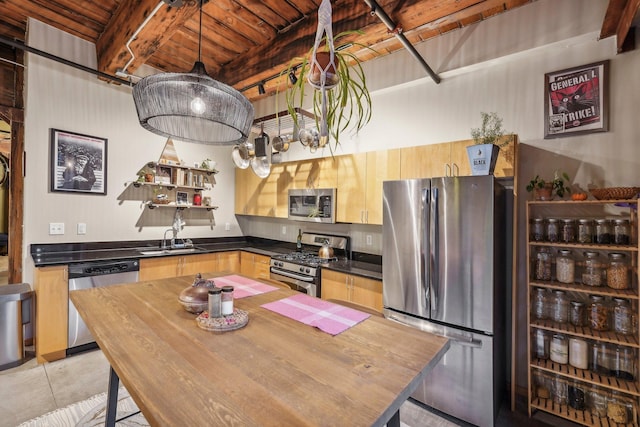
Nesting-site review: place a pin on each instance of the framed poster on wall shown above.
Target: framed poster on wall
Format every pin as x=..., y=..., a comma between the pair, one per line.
x=576, y=100
x=78, y=163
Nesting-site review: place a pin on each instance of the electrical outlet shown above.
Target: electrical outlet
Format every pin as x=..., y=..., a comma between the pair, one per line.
x=82, y=228
x=56, y=228
x=369, y=240
x=284, y=229
x=227, y=226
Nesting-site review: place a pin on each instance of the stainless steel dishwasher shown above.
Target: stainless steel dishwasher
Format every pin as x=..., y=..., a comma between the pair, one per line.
x=94, y=274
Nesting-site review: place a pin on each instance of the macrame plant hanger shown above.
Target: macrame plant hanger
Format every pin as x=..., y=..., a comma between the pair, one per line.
x=324, y=26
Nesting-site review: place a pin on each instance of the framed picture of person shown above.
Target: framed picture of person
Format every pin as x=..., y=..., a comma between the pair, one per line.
x=78, y=163
x=163, y=174
x=576, y=100
x=182, y=198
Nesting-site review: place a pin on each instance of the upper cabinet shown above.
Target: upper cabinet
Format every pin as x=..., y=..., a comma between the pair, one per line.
x=315, y=173
x=450, y=159
x=357, y=177
x=360, y=177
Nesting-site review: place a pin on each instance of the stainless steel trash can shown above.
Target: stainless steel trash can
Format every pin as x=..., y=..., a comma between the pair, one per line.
x=15, y=311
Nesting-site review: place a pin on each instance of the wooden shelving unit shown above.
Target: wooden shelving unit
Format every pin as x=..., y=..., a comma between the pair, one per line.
x=628, y=390
x=176, y=184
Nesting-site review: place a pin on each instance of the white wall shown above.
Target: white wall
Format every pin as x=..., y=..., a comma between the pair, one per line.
x=496, y=65
x=61, y=97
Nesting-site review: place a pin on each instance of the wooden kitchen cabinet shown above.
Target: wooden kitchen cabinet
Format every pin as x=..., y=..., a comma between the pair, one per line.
x=550, y=280
x=360, y=178
x=348, y=287
x=51, y=287
x=255, y=265
x=315, y=173
x=175, y=266
x=228, y=261
x=450, y=159
x=424, y=161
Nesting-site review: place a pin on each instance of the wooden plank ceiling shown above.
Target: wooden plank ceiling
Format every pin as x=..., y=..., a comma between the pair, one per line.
x=245, y=42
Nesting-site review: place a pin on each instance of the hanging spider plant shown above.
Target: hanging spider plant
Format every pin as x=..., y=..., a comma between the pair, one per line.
x=348, y=102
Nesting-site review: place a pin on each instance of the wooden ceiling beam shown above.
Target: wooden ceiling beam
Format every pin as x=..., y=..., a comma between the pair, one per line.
x=111, y=46
x=626, y=19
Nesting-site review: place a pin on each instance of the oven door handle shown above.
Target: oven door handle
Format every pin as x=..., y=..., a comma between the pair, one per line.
x=292, y=275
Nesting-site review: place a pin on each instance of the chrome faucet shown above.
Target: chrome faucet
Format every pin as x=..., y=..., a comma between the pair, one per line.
x=164, y=238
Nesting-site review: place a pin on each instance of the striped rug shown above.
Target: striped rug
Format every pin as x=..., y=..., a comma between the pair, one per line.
x=90, y=412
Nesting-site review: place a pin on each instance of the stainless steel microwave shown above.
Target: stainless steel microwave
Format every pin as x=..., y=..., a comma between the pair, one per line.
x=314, y=205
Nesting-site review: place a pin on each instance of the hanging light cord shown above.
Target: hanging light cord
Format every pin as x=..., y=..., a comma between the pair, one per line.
x=200, y=34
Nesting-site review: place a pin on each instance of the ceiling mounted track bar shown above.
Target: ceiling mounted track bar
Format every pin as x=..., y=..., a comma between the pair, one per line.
x=380, y=13
x=19, y=45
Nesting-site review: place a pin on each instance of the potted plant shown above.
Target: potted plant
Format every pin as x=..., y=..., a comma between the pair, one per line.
x=488, y=139
x=146, y=175
x=545, y=190
x=348, y=100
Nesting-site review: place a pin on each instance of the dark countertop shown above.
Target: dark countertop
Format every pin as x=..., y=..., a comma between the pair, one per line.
x=43, y=255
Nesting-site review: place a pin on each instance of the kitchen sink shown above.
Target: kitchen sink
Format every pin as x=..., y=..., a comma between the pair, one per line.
x=175, y=251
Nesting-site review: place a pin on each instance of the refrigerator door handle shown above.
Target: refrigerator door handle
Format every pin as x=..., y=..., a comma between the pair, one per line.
x=424, y=242
x=462, y=340
x=435, y=253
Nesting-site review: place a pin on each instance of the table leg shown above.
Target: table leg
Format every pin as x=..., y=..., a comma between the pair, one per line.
x=112, y=399
x=395, y=420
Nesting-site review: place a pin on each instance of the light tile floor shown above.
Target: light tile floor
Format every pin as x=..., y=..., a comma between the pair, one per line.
x=31, y=390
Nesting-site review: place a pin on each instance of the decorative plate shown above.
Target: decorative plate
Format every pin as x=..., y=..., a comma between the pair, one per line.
x=237, y=320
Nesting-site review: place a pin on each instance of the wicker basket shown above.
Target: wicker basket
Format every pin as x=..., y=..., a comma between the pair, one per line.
x=615, y=193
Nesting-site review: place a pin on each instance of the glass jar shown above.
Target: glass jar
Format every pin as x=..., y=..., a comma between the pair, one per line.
x=542, y=269
x=559, y=349
x=585, y=231
x=578, y=353
x=560, y=307
x=214, y=302
x=565, y=267
x=622, y=316
x=602, y=231
x=537, y=229
x=542, y=385
x=621, y=232
x=597, y=401
x=227, y=300
x=540, y=304
x=592, y=272
x=619, y=408
x=553, y=230
x=601, y=358
x=577, y=314
x=618, y=271
x=598, y=313
x=559, y=390
x=624, y=363
x=541, y=342
x=568, y=230
x=576, y=395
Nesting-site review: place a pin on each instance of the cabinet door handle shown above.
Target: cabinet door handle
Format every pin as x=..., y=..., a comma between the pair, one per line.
x=456, y=170
x=447, y=169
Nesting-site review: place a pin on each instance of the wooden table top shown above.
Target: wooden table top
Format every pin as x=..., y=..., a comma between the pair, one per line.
x=273, y=372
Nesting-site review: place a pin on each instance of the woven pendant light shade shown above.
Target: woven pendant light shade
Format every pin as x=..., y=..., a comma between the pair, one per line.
x=193, y=107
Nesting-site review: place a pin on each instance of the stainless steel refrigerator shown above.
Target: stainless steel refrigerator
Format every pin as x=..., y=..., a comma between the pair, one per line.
x=445, y=265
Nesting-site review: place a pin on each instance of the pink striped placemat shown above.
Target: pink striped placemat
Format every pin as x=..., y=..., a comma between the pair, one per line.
x=324, y=315
x=242, y=286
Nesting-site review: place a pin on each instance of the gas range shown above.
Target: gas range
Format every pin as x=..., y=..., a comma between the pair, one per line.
x=301, y=269
x=302, y=262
